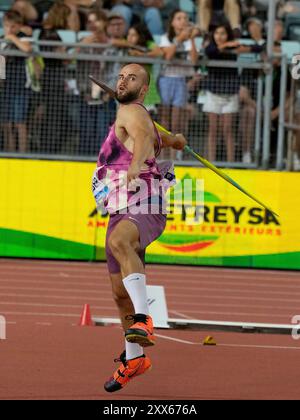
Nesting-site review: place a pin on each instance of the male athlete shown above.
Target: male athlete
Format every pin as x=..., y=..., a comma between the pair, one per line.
x=132, y=145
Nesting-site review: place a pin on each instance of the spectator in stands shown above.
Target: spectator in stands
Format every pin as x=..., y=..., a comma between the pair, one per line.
x=53, y=98
x=223, y=86
x=147, y=10
x=178, y=43
x=140, y=37
x=248, y=92
x=278, y=36
x=29, y=14
x=96, y=24
x=212, y=13
x=296, y=133
x=94, y=105
x=14, y=98
x=77, y=19
x=255, y=29
x=259, y=8
x=117, y=32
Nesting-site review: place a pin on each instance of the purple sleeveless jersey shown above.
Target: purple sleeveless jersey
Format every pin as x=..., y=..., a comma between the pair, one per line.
x=113, y=163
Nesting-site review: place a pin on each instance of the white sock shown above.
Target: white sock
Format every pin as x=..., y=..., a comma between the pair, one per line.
x=135, y=284
x=133, y=350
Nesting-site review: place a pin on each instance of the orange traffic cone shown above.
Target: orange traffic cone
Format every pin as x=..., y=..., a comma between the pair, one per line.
x=86, y=319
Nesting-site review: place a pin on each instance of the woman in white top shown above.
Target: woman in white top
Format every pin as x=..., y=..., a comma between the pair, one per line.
x=178, y=43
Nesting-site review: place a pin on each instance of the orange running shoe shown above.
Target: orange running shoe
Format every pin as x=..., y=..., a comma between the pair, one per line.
x=127, y=371
x=141, y=332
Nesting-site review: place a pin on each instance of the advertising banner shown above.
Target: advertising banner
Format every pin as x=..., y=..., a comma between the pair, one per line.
x=47, y=211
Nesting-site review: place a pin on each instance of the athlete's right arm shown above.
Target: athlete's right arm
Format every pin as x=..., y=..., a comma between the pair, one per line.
x=177, y=141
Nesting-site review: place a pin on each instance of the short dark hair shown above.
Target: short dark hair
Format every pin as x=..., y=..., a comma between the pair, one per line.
x=14, y=16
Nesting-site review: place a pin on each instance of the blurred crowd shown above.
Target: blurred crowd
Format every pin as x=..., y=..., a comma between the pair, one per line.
x=46, y=102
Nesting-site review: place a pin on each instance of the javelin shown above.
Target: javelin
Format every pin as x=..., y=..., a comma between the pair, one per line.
x=189, y=150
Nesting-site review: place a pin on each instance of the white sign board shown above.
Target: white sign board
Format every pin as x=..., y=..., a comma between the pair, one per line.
x=158, y=306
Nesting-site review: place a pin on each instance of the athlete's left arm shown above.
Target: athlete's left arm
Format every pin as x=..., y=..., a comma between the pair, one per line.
x=136, y=121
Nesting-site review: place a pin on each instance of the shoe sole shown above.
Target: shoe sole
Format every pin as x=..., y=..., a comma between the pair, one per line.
x=139, y=339
x=118, y=387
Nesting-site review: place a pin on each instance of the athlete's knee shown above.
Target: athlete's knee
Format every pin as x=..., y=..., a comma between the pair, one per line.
x=120, y=246
x=117, y=244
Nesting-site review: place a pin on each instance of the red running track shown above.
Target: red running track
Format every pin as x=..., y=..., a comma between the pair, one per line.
x=47, y=357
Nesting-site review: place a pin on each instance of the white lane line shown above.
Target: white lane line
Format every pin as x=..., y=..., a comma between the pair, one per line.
x=174, y=339
x=252, y=346
x=202, y=303
x=247, y=292
x=242, y=346
x=101, y=291
x=251, y=314
x=248, y=271
x=44, y=324
x=48, y=305
x=176, y=278
x=42, y=281
x=155, y=269
x=54, y=314
x=180, y=314
x=226, y=290
x=39, y=296
x=231, y=282
x=223, y=297
x=46, y=289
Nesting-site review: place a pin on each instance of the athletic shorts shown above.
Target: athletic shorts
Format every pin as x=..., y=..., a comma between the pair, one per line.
x=173, y=91
x=221, y=104
x=150, y=227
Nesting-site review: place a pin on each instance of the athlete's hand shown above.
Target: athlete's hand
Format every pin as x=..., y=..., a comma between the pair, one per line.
x=133, y=173
x=179, y=142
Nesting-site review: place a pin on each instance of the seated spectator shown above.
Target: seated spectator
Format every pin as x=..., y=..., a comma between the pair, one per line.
x=14, y=98
x=139, y=36
x=212, y=13
x=147, y=10
x=178, y=43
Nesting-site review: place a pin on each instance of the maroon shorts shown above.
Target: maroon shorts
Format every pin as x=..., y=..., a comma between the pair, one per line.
x=150, y=227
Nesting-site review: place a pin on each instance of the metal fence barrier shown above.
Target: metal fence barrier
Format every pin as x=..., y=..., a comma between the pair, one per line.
x=288, y=146
x=52, y=110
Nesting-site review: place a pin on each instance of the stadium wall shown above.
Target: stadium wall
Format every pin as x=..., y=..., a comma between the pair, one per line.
x=47, y=211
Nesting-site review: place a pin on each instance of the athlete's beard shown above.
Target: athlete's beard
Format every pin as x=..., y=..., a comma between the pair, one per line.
x=128, y=97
